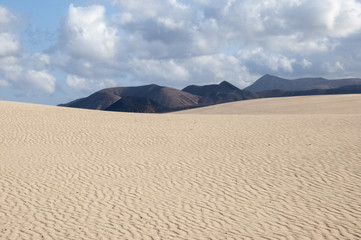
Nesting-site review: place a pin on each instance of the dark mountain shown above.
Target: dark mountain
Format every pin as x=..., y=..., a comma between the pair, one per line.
x=157, y=99
x=167, y=98
x=136, y=104
x=206, y=89
x=269, y=82
x=349, y=89
x=218, y=93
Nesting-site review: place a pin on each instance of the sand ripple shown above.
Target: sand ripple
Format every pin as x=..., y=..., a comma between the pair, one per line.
x=78, y=174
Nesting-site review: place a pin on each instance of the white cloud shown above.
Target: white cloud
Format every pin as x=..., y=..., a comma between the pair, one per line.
x=216, y=68
x=88, y=85
x=89, y=49
x=18, y=69
x=39, y=61
x=334, y=18
x=7, y=19
x=334, y=67
x=40, y=80
x=86, y=34
x=306, y=63
x=170, y=24
x=159, y=70
x=261, y=59
x=8, y=44
x=4, y=83
x=178, y=42
x=10, y=68
x=194, y=70
x=76, y=82
x=142, y=9
x=181, y=42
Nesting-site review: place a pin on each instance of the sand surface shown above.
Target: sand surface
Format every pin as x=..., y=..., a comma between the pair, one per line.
x=81, y=174
x=322, y=104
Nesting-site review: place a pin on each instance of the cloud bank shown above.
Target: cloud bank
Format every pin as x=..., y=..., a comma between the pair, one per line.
x=19, y=69
x=178, y=42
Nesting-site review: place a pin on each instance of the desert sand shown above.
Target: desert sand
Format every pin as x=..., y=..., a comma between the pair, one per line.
x=321, y=104
x=290, y=169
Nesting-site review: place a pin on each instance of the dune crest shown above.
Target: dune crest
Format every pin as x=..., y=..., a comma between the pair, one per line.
x=300, y=105
x=82, y=174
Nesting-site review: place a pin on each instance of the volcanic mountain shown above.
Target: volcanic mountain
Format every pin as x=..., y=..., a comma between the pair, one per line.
x=219, y=93
x=269, y=82
x=348, y=89
x=164, y=98
x=136, y=104
x=157, y=99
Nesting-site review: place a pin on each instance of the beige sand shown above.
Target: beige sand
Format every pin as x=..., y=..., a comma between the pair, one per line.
x=80, y=174
x=328, y=104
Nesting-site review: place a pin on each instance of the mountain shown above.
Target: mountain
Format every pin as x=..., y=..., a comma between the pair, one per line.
x=163, y=97
x=218, y=93
x=136, y=104
x=157, y=99
x=269, y=82
x=348, y=89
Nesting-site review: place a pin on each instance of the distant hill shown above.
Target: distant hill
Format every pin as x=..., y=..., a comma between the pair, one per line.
x=167, y=98
x=136, y=104
x=218, y=93
x=157, y=99
x=349, y=89
x=269, y=82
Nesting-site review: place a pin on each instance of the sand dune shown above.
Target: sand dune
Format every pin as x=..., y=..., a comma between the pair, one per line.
x=321, y=104
x=82, y=174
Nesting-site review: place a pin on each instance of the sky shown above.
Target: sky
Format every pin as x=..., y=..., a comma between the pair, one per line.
x=52, y=52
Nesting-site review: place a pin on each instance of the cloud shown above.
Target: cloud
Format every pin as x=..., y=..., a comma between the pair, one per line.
x=306, y=63
x=333, y=67
x=18, y=69
x=178, y=42
x=4, y=83
x=180, y=72
x=333, y=18
x=87, y=85
x=181, y=42
x=7, y=19
x=218, y=67
x=166, y=71
x=10, y=68
x=18, y=73
x=9, y=44
x=40, y=80
x=144, y=9
x=89, y=49
x=336, y=18
x=85, y=34
x=283, y=33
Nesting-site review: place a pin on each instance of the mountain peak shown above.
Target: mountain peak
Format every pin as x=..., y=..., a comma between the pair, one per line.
x=268, y=76
x=167, y=98
x=269, y=82
x=227, y=85
x=224, y=82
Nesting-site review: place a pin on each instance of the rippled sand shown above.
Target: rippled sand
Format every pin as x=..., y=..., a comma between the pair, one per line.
x=327, y=104
x=81, y=174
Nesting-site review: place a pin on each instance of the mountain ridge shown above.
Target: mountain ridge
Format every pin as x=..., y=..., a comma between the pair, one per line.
x=153, y=98
x=270, y=82
x=168, y=98
x=218, y=93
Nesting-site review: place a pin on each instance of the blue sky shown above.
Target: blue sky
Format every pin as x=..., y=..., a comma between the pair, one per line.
x=52, y=52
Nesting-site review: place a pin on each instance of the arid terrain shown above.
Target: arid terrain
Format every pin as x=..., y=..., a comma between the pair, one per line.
x=276, y=168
